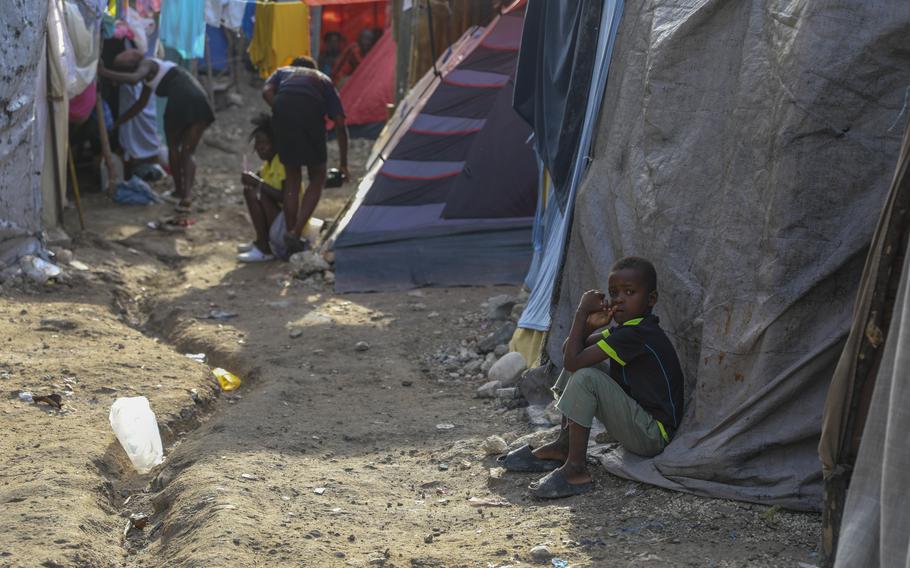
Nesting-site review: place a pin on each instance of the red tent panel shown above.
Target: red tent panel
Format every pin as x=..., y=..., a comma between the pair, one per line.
x=372, y=86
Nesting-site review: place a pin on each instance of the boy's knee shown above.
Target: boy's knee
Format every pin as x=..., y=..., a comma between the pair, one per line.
x=584, y=380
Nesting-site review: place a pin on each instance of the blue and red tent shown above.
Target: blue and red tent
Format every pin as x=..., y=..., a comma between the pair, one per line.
x=451, y=188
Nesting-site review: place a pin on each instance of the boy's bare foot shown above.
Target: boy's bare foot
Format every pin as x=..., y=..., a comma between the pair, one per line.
x=558, y=449
x=575, y=475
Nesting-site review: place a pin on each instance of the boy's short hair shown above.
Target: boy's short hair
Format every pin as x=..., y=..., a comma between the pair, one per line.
x=304, y=61
x=642, y=265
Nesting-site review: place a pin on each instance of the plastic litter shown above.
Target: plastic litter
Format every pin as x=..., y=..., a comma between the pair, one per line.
x=221, y=315
x=198, y=357
x=26, y=396
x=228, y=381
x=559, y=563
x=150, y=172
x=53, y=399
x=480, y=502
x=136, y=428
x=135, y=192
x=38, y=269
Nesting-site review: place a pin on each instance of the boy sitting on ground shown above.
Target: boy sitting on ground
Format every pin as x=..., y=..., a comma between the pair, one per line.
x=640, y=399
x=262, y=192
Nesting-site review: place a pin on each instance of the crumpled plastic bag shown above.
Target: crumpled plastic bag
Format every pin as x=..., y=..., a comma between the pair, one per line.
x=134, y=191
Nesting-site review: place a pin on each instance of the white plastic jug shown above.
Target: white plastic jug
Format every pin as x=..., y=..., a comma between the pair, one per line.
x=136, y=428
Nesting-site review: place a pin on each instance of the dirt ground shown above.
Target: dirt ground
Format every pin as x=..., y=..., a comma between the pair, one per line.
x=326, y=455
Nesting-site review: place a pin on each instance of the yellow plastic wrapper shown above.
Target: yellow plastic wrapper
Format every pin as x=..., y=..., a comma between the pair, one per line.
x=228, y=381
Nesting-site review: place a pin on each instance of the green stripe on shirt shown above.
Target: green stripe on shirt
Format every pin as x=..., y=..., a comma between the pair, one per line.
x=610, y=352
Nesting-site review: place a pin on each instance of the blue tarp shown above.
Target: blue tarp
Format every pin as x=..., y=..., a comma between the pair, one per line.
x=537, y=313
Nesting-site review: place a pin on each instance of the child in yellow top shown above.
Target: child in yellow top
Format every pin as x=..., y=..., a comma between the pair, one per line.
x=262, y=192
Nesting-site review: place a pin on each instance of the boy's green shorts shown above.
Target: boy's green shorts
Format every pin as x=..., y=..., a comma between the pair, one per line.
x=591, y=392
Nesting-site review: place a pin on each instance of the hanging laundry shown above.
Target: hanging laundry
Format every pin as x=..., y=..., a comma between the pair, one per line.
x=227, y=13
x=213, y=12
x=92, y=11
x=249, y=15
x=182, y=27
x=86, y=47
x=148, y=7
x=232, y=16
x=281, y=33
x=141, y=28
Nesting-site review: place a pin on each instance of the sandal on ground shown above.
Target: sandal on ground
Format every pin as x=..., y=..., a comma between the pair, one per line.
x=184, y=207
x=554, y=485
x=171, y=224
x=524, y=460
x=255, y=255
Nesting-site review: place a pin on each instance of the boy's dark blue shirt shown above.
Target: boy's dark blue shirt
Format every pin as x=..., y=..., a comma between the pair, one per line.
x=644, y=363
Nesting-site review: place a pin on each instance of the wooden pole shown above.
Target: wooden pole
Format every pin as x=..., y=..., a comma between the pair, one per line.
x=210, y=83
x=232, y=56
x=72, y=167
x=105, y=146
x=59, y=187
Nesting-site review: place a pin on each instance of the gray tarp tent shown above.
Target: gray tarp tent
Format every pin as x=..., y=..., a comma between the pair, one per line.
x=746, y=148
x=875, y=525
x=21, y=143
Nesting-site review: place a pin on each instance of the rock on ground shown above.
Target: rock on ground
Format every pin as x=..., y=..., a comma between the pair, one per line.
x=488, y=389
x=308, y=262
x=502, y=334
x=500, y=307
x=508, y=369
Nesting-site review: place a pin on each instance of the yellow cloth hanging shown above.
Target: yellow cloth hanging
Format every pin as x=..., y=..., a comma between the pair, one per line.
x=281, y=32
x=530, y=343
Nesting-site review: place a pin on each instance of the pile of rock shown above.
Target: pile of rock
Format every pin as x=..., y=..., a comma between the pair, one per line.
x=310, y=266
x=503, y=377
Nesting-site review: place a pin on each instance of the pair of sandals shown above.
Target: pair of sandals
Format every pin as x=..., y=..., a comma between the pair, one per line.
x=554, y=485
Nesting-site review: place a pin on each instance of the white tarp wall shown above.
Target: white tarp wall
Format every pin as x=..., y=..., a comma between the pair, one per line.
x=23, y=24
x=746, y=148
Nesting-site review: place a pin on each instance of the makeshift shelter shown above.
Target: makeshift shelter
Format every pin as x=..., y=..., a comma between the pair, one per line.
x=425, y=28
x=450, y=191
x=39, y=67
x=366, y=95
x=868, y=401
x=745, y=148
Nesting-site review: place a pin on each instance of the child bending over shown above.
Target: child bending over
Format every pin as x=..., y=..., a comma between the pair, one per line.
x=638, y=397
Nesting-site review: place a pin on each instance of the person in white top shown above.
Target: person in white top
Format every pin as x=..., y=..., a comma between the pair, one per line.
x=186, y=116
